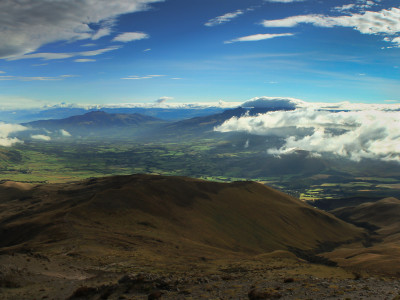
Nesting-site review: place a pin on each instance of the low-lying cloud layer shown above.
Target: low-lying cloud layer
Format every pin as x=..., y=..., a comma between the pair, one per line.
x=355, y=134
x=41, y=137
x=273, y=103
x=6, y=130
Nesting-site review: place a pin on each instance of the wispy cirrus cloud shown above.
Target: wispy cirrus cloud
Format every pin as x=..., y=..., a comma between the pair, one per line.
x=130, y=36
x=284, y=1
x=84, y=60
x=258, y=37
x=35, y=78
x=386, y=21
x=224, y=18
x=136, y=77
x=51, y=56
x=48, y=21
x=345, y=7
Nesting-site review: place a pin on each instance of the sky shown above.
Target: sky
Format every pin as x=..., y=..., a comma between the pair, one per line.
x=187, y=51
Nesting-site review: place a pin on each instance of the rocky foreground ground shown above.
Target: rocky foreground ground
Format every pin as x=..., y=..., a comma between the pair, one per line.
x=276, y=276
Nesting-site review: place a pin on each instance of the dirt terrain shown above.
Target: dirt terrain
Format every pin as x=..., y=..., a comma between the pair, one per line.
x=158, y=237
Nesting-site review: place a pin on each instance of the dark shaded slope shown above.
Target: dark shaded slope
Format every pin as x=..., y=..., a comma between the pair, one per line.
x=382, y=215
x=149, y=214
x=382, y=253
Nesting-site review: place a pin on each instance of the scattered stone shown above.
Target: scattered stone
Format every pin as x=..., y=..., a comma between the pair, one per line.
x=257, y=294
x=155, y=295
x=83, y=292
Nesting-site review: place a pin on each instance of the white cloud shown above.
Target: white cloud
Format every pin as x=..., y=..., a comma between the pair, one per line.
x=50, y=56
x=224, y=18
x=101, y=33
x=6, y=130
x=396, y=41
x=83, y=60
x=130, y=36
x=258, y=37
x=89, y=45
x=360, y=5
x=355, y=134
x=96, y=52
x=285, y=1
x=345, y=7
x=65, y=133
x=386, y=21
x=41, y=137
x=274, y=103
x=28, y=25
x=135, y=77
x=2, y=72
x=34, y=78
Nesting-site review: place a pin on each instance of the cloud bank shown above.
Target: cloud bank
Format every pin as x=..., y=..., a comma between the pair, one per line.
x=274, y=103
x=354, y=134
x=6, y=130
x=27, y=25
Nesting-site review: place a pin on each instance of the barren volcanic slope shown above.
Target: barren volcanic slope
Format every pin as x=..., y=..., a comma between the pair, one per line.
x=383, y=251
x=66, y=233
x=242, y=216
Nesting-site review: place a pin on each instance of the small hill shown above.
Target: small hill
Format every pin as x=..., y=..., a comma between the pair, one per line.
x=382, y=253
x=156, y=212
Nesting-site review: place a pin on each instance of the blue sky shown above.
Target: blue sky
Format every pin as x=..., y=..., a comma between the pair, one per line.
x=124, y=51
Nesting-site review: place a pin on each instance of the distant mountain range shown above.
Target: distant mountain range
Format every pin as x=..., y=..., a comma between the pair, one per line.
x=102, y=123
x=171, y=114
x=94, y=119
x=98, y=124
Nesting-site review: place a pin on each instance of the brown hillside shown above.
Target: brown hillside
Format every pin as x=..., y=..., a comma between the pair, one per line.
x=383, y=251
x=150, y=214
